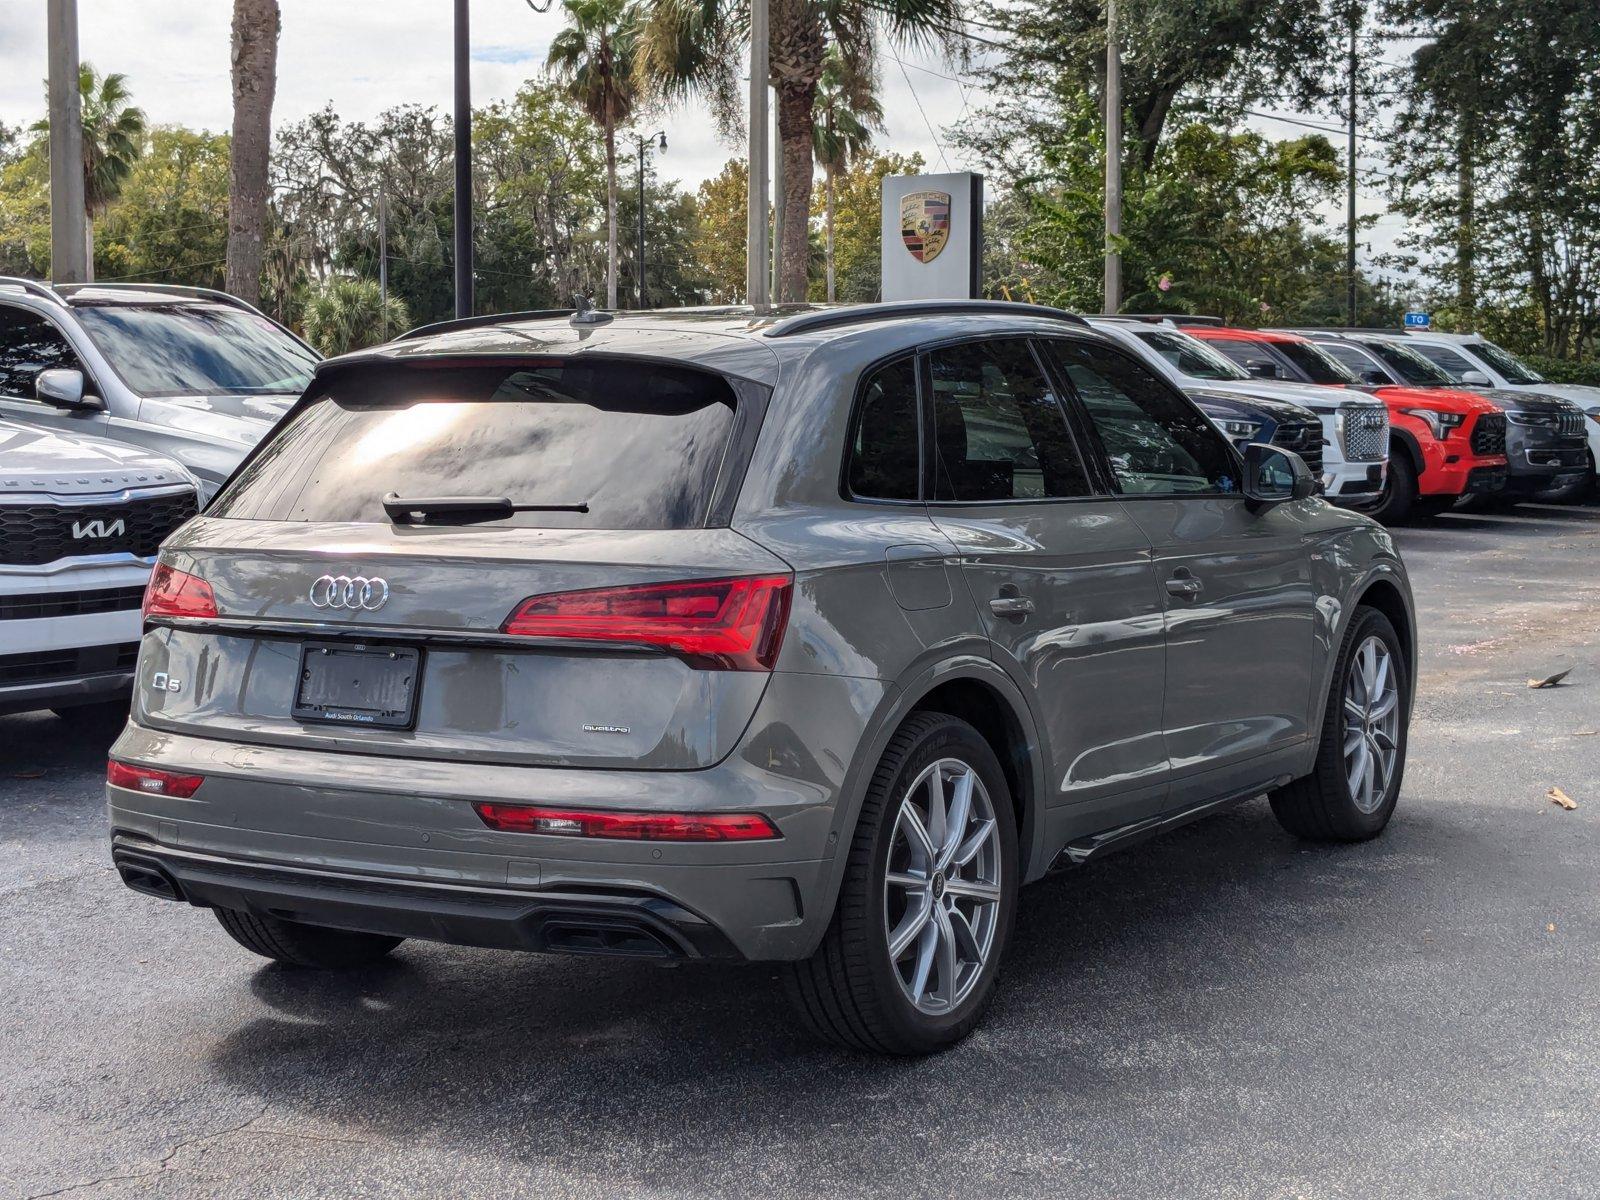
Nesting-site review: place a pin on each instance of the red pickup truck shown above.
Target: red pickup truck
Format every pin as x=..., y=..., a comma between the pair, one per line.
x=1444, y=442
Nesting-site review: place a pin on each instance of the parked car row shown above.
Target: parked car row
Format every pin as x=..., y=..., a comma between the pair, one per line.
x=1457, y=433
x=122, y=410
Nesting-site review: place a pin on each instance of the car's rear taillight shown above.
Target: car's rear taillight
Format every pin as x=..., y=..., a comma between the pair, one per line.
x=728, y=624
x=633, y=826
x=175, y=593
x=148, y=779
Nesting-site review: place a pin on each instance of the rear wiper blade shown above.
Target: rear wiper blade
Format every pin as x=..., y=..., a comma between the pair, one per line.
x=463, y=510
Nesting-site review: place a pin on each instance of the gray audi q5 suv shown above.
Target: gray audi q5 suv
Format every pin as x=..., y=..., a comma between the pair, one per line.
x=805, y=636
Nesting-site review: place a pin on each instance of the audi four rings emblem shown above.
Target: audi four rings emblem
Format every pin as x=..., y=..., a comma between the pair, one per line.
x=353, y=592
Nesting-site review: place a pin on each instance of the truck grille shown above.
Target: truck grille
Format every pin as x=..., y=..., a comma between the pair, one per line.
x=37, y=533
x=48, y=666
x=1489, y=434
x=70, y=604
x=1366, y=435
x=1305, y=439
x=1571, y=425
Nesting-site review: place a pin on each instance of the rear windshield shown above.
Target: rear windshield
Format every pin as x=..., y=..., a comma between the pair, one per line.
x=639, y=445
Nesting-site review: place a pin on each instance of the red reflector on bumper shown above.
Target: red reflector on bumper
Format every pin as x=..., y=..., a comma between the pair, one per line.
x=148, y=779
x=648, y=827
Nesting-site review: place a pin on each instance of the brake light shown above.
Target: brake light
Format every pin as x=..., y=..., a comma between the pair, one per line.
x=175, y=593
x=148, y=779
x=632, y=826
x=722, y=624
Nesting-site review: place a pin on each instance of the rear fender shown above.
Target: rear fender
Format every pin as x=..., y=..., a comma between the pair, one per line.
x=899, y=703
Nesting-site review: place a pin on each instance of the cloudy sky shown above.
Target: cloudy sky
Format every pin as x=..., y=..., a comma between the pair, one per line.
x=365, y=57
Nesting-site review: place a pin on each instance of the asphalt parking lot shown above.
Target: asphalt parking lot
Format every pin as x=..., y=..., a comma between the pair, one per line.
x=1226, y=1012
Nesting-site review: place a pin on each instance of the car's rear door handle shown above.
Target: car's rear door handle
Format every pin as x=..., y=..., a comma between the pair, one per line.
x=1184, y=584
x=1011, y=606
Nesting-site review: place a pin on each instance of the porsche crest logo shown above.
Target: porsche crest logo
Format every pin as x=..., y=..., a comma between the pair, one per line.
x=925, y=223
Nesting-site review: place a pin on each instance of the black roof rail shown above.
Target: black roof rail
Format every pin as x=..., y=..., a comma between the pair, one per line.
x=859, y=314
x=531, y=314
x=1193, y=319
x=32, y=286
x=1141, y=318
x=165, y=289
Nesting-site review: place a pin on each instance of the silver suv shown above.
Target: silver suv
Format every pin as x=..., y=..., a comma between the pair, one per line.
x=189, y=373
x=707, y=634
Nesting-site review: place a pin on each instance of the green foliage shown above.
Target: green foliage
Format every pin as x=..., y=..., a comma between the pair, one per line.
x=1497, y=165
x=719, y=242
x=113, y=136
x=858, y=224
x=1565, y=370
x=1221, y=221
x=346, y=314
x=171, y=221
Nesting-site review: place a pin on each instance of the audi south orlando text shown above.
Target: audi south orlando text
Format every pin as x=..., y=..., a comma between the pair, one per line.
x=805, y=637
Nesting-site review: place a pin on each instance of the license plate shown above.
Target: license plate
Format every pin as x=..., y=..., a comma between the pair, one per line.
x=358, y=685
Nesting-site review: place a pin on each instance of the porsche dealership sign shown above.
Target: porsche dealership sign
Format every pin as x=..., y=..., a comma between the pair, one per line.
x=932, y=236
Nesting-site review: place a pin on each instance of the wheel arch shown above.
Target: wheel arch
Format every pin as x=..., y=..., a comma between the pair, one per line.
x=967, y=687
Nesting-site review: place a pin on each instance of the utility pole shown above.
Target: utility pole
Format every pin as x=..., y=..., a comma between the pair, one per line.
x=1350, y=180
x=778, y=211
x=383, y=259
x=1113, y=288
x=643, y=142
x=642, y=145
x=756, y=260
x=463, y=196
x=69, y=250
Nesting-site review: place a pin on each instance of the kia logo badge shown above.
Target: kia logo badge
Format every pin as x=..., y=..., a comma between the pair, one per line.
x=353, y=592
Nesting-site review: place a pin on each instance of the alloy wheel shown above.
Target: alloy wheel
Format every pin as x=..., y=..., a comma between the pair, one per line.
x=1371, y=724
x=942, y=887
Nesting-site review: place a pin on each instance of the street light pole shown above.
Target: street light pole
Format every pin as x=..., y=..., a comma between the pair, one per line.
x=1350, y=182
x=756, y=279
x=643, y=144
x=463, y=196
x=69, y=250
x=1113, y=280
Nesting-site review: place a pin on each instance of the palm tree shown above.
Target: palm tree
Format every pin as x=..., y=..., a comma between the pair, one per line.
x=847, y=111
x=113, y=140
x=347, y=314
x=594, y=57
x=255, y=78
x=700, y=45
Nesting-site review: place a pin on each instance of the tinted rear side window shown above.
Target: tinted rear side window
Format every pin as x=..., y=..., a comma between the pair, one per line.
x=641, y=445
x=885, y=458
x=999, y=430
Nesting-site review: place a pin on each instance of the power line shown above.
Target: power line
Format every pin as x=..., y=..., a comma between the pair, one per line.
x=906, y=75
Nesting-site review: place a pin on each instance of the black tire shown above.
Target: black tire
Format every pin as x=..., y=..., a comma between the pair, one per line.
x=298, y=945
x=848, y=992
x=1399, y=493
x=1319, y=807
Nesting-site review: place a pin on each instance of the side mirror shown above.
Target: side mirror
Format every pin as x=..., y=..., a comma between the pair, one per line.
x=1273, y=474
x=1476, y=379
x=62, y=387
x=1375, y=377
x=1263, y=370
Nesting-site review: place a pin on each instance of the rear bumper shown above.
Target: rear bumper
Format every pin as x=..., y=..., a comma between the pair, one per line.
x=283, y=819
x=620, y=922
